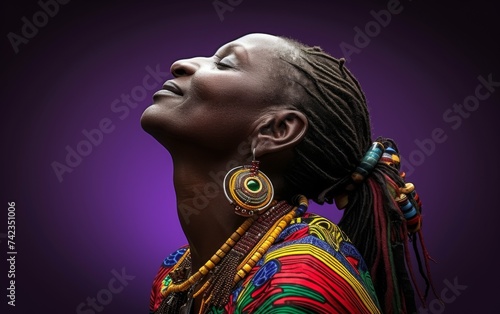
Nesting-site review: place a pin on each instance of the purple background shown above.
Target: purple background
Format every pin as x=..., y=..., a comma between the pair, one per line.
x=116, y=209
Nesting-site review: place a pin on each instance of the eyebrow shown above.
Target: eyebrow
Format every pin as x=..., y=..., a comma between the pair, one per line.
x=237, y=48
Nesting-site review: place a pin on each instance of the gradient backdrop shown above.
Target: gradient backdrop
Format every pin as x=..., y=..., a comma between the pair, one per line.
x=116, y=211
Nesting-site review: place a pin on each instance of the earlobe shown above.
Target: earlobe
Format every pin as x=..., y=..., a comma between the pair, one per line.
x=279, y=130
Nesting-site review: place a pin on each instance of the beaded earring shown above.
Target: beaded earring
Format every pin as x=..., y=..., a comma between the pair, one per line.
x=248, y=189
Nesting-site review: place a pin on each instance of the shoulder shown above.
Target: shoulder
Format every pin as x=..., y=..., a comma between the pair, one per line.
x=159, y=281
x=312, y=226
x=312, y=266
x=318, y=237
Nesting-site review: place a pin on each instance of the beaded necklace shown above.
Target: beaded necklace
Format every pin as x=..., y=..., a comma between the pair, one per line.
x=230, y=264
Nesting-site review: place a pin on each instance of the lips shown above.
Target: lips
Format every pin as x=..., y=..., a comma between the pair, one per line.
x=172, y=87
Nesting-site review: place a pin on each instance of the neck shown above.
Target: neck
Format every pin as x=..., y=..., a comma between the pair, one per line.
x=205, y=214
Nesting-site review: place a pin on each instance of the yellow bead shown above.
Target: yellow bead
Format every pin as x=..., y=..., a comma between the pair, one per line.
x=237, y=278
x=241, y=273
x=247, y=268
x=215, y=259
x=240, y=231
x=409, y=187
x=210, y=264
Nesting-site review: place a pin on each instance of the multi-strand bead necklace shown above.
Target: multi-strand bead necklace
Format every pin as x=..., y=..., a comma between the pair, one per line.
x=230, y=264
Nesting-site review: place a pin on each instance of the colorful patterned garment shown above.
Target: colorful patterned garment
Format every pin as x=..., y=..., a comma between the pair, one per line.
x=311, y=268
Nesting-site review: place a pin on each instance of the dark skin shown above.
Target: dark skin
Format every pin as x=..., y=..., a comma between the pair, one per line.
x=209, y=117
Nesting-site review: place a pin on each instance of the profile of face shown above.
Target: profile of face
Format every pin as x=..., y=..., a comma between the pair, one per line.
x=213, y=102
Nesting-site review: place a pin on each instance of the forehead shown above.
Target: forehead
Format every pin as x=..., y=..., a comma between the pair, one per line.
x=261, y=40
x=256, y=44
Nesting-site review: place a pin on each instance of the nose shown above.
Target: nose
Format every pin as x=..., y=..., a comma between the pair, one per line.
x=184, y=67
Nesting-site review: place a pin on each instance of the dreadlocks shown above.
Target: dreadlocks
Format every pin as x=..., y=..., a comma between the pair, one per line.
x=338, y=136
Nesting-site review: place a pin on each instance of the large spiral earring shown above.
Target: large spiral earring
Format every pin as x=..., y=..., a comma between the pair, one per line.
x=248, y=189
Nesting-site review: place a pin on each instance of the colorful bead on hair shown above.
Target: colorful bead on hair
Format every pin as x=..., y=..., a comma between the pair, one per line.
x=390, y=157
x=410, y=205
x=368, y=162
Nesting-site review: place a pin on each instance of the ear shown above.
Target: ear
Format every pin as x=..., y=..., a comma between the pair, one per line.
x=279, y=130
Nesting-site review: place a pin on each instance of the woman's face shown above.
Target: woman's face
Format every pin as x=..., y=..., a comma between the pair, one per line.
x=213, y=102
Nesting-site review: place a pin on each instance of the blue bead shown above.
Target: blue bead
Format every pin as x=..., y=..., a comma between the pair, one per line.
x=412, y=213
x=301, y=209
x=406, y=207
x=391, y=151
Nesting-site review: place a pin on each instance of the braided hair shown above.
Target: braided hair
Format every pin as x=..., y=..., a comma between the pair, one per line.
x=338, y=136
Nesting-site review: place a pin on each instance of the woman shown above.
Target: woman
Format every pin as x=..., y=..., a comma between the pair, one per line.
x=259, y=128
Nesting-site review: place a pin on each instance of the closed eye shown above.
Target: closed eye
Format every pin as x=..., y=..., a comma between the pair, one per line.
x=225, y=62
x=221, y=65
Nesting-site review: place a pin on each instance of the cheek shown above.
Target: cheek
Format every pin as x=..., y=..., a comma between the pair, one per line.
x=219, y=126
x=228, y=90
x=221, y=123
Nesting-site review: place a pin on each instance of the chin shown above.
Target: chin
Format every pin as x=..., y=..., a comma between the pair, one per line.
x=154, y=123
x=151, y=119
